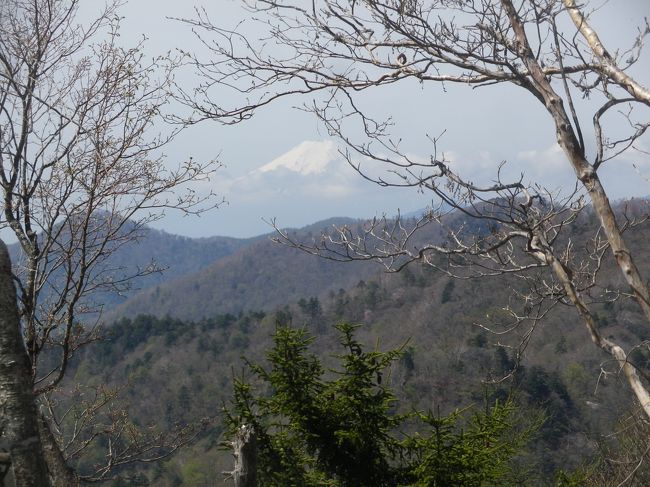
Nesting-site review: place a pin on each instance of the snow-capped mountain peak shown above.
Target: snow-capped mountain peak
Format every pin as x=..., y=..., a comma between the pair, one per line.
x=309, y=157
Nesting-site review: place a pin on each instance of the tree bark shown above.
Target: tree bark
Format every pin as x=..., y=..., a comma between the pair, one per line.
x=62, y=474
x=588, y=176
x=608, y=63
x=607, y=345
x=585, y=172
x=245, y=452
x=18, y=412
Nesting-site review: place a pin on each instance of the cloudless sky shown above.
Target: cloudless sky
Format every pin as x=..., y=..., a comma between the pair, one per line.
x=304, y=179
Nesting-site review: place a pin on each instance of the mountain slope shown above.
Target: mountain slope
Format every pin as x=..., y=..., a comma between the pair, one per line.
x=179, y=371
x=259, y=276
x=265, y=274
x=174, y=255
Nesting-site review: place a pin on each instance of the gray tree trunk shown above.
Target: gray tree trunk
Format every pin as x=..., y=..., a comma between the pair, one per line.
x=18, y=413
x=588, y=176
x=62, y=475
x=245, y=452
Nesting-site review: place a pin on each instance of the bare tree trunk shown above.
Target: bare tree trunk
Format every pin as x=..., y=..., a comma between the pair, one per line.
x=18, y=412
x=609, y=346
x=245, y=452
x=608, y=64
x=62, y=474
x=588, y=176
x=585, y=172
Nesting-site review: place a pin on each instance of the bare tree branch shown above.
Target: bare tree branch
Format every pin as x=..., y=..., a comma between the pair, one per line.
x=331, y=50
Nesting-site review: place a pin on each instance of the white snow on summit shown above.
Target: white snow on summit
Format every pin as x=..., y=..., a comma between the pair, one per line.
x=309, y=157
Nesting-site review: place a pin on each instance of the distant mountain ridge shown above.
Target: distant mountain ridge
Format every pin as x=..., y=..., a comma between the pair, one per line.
x=209, y=276
x=175, y=255
x=201, y=277
x=179, y=370
x=261, y=274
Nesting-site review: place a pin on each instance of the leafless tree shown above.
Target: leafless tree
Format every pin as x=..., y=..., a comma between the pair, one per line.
x=81, y=170
x=331, y=51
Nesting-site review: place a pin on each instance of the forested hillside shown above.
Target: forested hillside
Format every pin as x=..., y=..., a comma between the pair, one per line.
x=177, y=371
x=167, y=255
x=259, y=275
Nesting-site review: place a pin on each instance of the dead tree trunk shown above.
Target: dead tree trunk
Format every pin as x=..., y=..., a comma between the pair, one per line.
x=245, y=452
x=18, y=413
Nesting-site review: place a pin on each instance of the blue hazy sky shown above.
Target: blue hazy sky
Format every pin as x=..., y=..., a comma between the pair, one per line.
x=281, y=164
